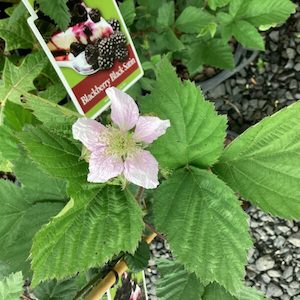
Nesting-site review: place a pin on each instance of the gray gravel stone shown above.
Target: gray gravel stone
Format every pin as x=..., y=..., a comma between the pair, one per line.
x=295, y=239
x=264, y=263
x=274, y=291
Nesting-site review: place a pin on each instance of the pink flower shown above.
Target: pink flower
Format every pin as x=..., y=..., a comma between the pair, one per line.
x=119, y=149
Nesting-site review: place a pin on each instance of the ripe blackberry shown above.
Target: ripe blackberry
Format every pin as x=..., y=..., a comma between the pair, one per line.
x=122, y=54
x=71, y=3
x=76, y=48
x=107, y=48
x=119, y=39
x=91, y=55
x=79, y=14
x=95, y=15
x=105, y=63
x=114, y=24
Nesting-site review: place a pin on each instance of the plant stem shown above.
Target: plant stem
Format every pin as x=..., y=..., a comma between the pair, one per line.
x=139, y=195
x=149, y=226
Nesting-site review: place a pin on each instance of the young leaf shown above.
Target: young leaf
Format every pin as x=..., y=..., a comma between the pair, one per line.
x=214, y=52
x=19, y=79
x=101, y=222
x=11, y=287
x=214, y=4
x=263, y=164
x=54, y=153
x=176, y=284
x=204, y=223
x=56, y=10
x=18, y=14
x=247, y=35
x=17, y=35
x=127, y=8
x=193, y=20
x=24, y=210
x=215, y=291
x=196, y=135
x=138, y=261
x=166, y=15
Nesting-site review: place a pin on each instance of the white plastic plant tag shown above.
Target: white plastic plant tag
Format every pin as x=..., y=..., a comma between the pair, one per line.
x=94, y=53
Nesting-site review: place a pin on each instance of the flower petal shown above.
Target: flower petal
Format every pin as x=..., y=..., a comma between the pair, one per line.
x=141, y=169
x=149, y=129
x=87, y=132
x=104, y=167
x=124, y=111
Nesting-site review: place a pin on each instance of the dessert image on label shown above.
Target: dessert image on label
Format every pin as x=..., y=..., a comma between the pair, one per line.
x=91, y=43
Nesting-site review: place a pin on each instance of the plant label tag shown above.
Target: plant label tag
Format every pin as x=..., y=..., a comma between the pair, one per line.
x=95, y=51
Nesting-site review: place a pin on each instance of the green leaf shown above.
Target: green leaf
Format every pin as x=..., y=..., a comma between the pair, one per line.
x=54, y=153
x=11, y=287
x=59, y=290
x=214, y=52
x=166, y=15
x=101, y=223
x=196, y=135
x=203, y=223
x=54, y=93
x=263, y=164
x=55, y=116
x=215, y=291
x=168, y=40
x=127, y=8
x=214, y=4
x=247, y=35
x=9, y=144
x=193, y=20
x=18, y=14
x=17, y=35
x=176, y=284
x=24, y=210
x=56, y=10
x=19, y=79
x=139, y=260
x=268, y=12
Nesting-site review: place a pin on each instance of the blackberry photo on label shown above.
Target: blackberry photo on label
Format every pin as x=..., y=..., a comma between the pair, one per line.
x=122, y=54
x=77, y=48
x=119, y=39
x=114, y=24
x=105, y=63
x=107, y=48
x=95, y=15
x=91, y=55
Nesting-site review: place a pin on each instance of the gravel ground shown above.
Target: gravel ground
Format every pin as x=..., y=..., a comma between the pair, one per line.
x=271, y=82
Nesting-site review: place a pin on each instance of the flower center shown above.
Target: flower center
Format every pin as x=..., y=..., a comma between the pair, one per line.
x=118, y=143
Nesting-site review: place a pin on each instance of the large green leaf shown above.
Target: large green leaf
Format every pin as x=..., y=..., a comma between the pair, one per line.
x=56, y=10
x=214, y=52
x=55, y=153
x=11, y=287
x=216, y=292
x=176, y=284
x=19, y=79
x=54, y=116
x=166, y=14
x=24, y=210
x=193, y=20
x=203, y=223
x=263, y=164
x=127, y=8
x=196, y=135
x=17, y=35
x=265, y=12
x=97, y=224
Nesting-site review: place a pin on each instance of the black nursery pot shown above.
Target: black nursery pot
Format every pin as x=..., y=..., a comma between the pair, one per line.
x=242, y=58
